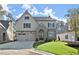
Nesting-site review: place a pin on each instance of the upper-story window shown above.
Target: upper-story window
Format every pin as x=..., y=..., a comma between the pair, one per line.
x=27, y=25
x=51, y=25
x=26, y=17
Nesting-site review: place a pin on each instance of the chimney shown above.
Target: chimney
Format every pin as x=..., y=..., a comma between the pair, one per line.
x=49, y=16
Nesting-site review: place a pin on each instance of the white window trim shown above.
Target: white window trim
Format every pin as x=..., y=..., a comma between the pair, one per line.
x=27, y=22
x=51, y=25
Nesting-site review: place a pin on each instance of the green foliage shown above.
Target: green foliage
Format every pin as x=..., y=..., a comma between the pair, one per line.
x=49, y=40
x=73, y=18
x=36, y=39
x=54, y=39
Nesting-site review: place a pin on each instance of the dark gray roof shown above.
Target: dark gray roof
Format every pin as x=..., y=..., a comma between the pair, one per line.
x=66, y=31
x=43, y=18
x=5, y=23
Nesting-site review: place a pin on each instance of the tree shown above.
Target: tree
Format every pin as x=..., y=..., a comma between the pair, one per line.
x=10, y=16
x=73, y=20
x=2, y=12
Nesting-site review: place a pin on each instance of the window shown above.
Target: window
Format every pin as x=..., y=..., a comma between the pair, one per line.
x=23, y=34
x=24, y=25
x=19, y=33
x=26, y=17
x=27, y=25
x=50, y=34
x=51, y=25
x=66, y=36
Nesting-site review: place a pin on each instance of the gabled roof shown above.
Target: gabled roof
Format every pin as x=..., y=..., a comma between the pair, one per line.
x=4, y=24
x=25, y=12
x=38, y=18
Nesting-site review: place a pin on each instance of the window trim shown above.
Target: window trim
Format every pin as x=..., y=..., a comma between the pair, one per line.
x=51, y=25
x=26, y=25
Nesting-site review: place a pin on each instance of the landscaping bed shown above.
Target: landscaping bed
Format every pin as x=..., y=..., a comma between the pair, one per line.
x=58, y=48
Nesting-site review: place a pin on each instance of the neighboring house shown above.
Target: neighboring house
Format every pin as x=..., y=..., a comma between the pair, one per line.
x=66, y=36
x=6, y=26
x=31, y=28
x=6, y=31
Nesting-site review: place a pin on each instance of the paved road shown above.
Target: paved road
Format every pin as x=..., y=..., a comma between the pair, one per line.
x=17, y=48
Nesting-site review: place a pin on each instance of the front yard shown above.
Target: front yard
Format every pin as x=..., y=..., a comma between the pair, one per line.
x=58, y=48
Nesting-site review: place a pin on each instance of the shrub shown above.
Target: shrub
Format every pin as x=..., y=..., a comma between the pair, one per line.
x=37, y=43
x=48, y=40
x=54, y=39
x=36, y=39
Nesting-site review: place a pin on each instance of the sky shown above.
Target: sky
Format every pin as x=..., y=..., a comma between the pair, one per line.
x=57, y=11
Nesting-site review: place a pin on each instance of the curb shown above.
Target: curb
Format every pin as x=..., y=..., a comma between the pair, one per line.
x=42, y=52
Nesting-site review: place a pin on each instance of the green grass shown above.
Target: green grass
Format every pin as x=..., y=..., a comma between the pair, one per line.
x=59, y=48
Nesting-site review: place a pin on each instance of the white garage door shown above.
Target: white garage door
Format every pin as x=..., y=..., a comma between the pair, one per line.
x=21, y=37
x=26, y=36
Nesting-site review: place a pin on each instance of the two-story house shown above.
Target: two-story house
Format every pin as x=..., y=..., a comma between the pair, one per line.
x=31, y=28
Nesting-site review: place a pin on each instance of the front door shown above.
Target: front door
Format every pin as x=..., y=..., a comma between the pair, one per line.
x=41, y=34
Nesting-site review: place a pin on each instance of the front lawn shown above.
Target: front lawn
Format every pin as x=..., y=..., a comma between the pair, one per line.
x=59, y=48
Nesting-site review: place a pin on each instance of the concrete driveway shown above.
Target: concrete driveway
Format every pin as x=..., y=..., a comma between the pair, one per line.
x=17, y=45
x=18, y=48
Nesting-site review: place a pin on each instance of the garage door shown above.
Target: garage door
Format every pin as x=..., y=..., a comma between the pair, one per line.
x=26, y=36
x=21, y=37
